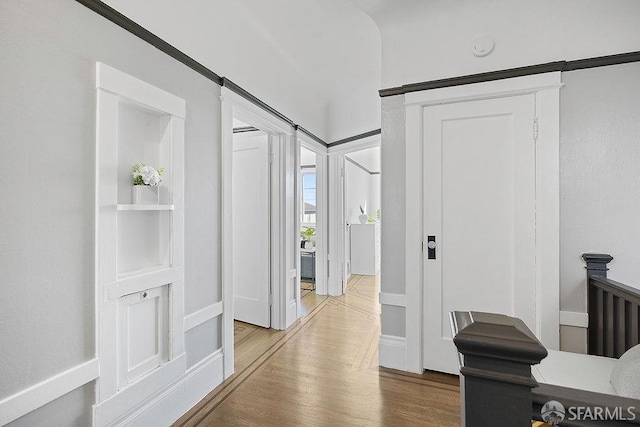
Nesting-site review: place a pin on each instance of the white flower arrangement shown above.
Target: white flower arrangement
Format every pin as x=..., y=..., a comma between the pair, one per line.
x=146, y=175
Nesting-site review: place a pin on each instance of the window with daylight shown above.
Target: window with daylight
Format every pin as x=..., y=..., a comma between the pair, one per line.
x=308, y=198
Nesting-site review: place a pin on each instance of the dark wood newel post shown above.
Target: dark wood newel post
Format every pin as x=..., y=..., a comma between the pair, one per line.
x=597, y=264
x=599, y=303
x=495, y=380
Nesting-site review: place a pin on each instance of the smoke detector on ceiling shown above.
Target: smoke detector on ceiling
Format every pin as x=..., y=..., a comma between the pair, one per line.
x=482, y=46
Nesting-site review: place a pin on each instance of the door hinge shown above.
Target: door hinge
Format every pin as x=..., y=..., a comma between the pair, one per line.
x=535, y=129
x=270, y=299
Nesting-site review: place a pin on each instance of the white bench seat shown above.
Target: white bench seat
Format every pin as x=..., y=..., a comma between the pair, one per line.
x=574, y=370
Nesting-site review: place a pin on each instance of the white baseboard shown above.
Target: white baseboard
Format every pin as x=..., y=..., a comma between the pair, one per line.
x=171, y=402
x=571, y=318
x=204, y=377
x=32, y=398
x=393, y=352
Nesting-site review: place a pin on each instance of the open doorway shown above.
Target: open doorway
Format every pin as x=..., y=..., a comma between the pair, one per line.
x=312, y=207
x=312, y=220
x=308, y=215
x=355, y=199
x=259, y=216
x=362, y=212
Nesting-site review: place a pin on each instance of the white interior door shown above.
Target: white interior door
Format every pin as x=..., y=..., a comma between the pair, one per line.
x=251, y=219
x=479, y=206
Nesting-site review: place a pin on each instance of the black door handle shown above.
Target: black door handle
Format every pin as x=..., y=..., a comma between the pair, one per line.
x=431, y=247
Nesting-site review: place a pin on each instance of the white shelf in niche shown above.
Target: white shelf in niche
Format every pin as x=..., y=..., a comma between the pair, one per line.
x=143, y=279
x=145, y=272
x=132, y=207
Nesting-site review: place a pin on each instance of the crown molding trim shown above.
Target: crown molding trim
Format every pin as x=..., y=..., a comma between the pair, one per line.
x=563, y=66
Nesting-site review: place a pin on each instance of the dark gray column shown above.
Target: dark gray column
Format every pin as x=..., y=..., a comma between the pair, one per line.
x=600, y=333
x=597, y=264
x=497, y=354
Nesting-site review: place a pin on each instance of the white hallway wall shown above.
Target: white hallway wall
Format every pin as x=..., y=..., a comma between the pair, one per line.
x=361, y=188
x=599, y=181
x=526, y=33
x=369, y=160
x=47, y=128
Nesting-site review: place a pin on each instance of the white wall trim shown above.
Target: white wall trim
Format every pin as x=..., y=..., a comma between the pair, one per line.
x=548, y=211
x=483, y=90
x=32, y=398
x=413, y=238
x=201, y=365
x=226, y=232
x=117, y=82
x=392, y=352
x=135, y=395
x=571, y=318
x=173, y=401
x=297, y=180
x=357, y=145
x=398, y=300
x=335, y=221
x=311, y=144
x=199, y=317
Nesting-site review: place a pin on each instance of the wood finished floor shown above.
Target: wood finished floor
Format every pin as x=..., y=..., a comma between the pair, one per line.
x=323, y=371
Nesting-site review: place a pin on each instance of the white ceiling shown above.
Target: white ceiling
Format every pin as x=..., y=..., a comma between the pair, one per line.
x=307, y=157
x=369, y=158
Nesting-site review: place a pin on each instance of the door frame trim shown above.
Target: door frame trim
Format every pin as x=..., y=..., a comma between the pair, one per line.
x=282, y=136
x=546, y=88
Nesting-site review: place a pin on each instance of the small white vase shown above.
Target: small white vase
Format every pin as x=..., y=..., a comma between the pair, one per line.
x=145, y=195
x=363, y=218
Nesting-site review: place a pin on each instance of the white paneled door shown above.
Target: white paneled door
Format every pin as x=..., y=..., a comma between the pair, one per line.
x=251, y=230
x=479, y=210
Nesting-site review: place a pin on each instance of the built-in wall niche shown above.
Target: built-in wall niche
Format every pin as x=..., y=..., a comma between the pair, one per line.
x=144, y=137
x=144, y=241
x=140, y=247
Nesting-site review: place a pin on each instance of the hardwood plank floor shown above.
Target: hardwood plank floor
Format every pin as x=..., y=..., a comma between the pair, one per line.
x=324, y=371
